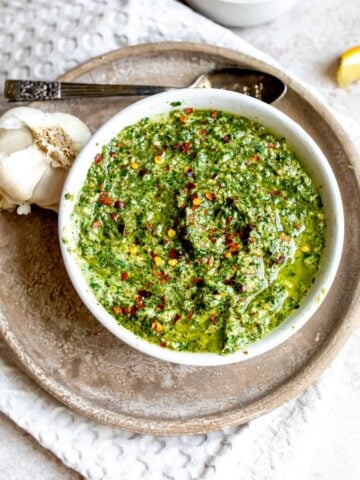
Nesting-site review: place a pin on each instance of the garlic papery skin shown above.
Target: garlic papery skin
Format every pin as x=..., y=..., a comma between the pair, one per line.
x=36, y=151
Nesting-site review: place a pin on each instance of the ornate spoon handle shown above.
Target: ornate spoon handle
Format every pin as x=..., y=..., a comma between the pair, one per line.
x=29, y=90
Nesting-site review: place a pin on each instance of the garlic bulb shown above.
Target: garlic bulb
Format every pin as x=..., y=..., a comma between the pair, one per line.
x=36, y=151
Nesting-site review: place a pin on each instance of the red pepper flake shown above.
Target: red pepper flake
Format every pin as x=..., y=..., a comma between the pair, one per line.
x=284, y=237
x=195, y=207
x=280, y=259
x=96, y=224
x=185, y=147
x=229, y=281
x=190, y=185
x=245, y=352
x=198, y=281
x=227, y=138
x=124, y=276
x=173, y=253
x=272, y=145
x=125, y=310
x=176, y=146
x=211, y=235
x=113, y=154
x=163, y=344
x=275, y=192
x=189, y=315
x=142, y=172
x=119, y=204
x=233, y=247
x=229, y=238
x=210, y=195
x=114, y=217
x=254, y=158
x=176, y=318
x=164, y=278
x=132, y=310
x=105, y=200
x=161, y=306
x=228, y=220
x=98, y=158
x=213, y=318
x=152, y=254
x=183, y=118
x=188, y=111
x=214, y=114
x=139, y=303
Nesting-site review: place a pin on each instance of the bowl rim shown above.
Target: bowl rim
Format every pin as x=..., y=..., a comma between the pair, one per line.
x=313, y=298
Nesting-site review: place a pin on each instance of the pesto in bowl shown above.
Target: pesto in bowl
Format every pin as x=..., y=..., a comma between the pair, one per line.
x=198, y=230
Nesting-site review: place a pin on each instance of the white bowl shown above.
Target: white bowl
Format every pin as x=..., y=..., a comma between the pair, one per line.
x=242, y=13
x=311, y=157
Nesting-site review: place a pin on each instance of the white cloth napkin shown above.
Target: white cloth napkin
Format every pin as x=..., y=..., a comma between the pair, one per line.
x=52, y=37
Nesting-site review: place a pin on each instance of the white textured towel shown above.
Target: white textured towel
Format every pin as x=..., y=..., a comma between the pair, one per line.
x=50, y=38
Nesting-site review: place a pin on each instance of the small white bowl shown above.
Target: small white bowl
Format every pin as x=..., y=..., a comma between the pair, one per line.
x=242, y=13
x=311, y=157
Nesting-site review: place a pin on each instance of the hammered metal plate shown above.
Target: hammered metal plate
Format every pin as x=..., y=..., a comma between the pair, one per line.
x=58, y=342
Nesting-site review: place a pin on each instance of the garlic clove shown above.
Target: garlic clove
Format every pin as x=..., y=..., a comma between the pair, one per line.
x=12, y=140
x=48, y=190
x=6, y=203
x=19, y=116
x=19, y=175
x=73, y=127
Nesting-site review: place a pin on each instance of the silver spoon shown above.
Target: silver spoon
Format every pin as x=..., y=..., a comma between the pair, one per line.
x=261, y=85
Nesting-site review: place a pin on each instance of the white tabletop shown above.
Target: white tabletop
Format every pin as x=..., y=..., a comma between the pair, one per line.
x=307, y=41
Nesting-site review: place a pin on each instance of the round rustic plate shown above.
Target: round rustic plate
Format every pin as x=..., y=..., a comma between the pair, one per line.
x=73, y=357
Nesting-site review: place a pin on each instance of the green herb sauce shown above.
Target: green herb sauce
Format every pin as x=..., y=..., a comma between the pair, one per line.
x=199, y=230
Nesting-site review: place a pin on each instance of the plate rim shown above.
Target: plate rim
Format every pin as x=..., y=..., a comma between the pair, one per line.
x=283, y=393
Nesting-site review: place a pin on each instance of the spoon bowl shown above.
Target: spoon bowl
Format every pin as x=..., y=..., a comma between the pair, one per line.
x=260, y=85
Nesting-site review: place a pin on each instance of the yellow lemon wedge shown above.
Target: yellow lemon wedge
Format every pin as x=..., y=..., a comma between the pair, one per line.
x=349, y=68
